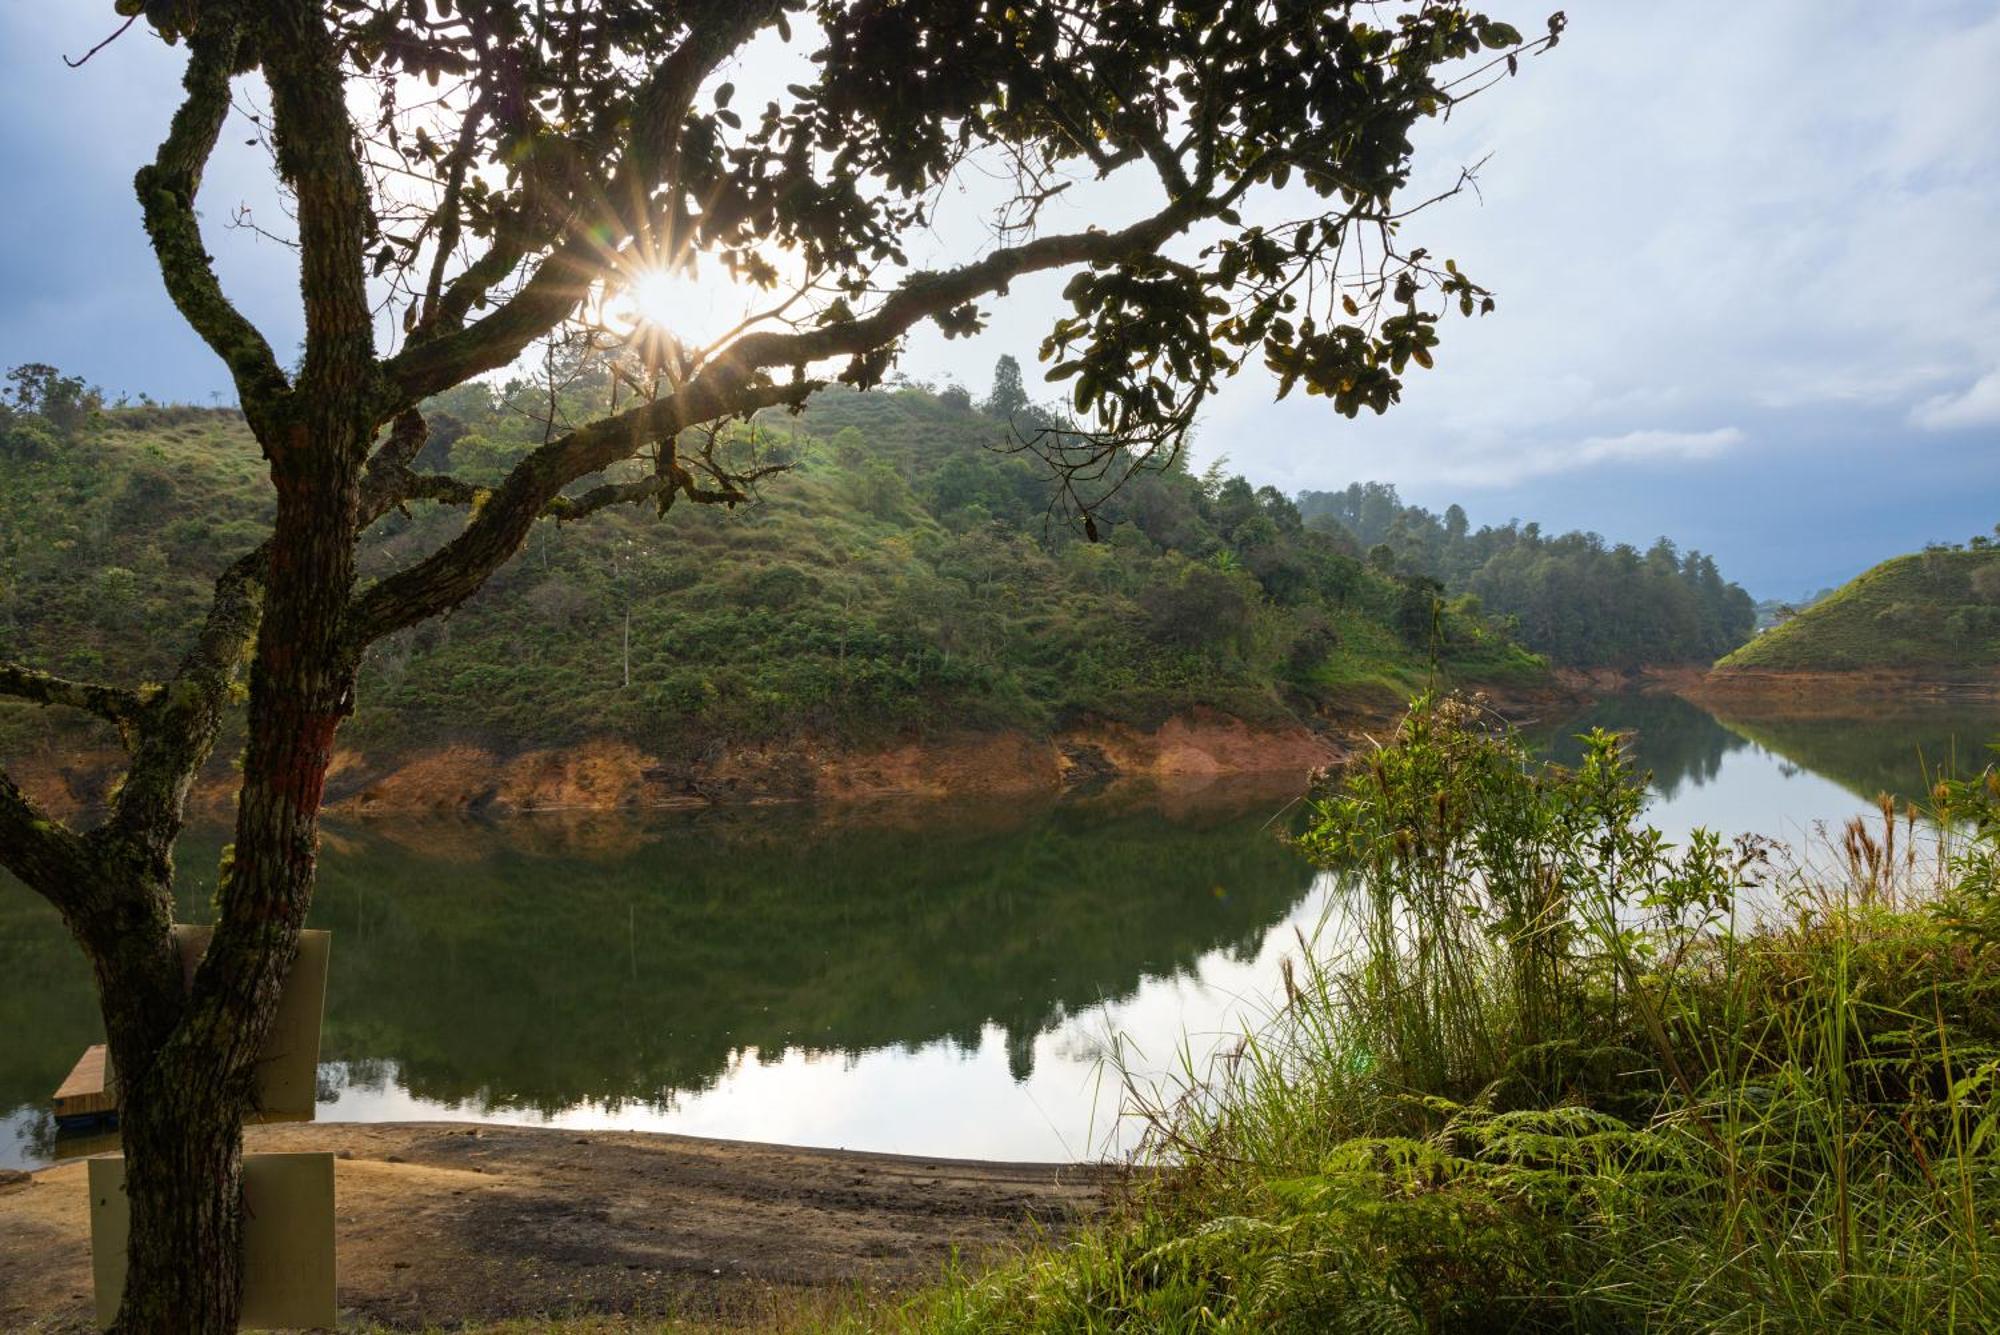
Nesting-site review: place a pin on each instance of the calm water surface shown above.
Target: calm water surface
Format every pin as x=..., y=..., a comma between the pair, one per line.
x=940, y=980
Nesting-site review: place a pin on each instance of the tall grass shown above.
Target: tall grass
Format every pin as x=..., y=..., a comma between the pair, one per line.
x=1564, y=1076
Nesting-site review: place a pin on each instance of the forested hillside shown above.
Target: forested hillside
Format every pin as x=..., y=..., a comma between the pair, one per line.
x=1580, y=600
x=901, y=573
x=1935, y=611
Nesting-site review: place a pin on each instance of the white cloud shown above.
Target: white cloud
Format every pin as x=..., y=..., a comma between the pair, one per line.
x=1977, y=405
x=1770, y=234
x=1482, y=466
x=1634, y=445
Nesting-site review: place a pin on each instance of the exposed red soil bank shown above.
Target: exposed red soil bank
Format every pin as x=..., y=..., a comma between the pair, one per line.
x=1192, y=748
x=605, y=774
x=1833, y=694
x=1679, y=678
x=612, y=774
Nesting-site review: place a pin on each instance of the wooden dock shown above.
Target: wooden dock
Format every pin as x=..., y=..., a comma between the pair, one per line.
x=90, y=1093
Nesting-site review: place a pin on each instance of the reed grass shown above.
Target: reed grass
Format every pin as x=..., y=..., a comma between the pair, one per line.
x=1563, y=1076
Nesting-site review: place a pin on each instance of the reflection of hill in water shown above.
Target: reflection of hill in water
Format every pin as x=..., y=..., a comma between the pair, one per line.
x=1681, y=743
x=1886, y=750
x=526, y=973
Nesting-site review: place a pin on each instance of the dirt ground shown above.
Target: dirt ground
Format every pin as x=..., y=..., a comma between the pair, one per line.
x=443, y=1223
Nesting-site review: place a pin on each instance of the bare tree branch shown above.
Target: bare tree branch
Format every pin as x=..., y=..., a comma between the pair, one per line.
x=84, y=59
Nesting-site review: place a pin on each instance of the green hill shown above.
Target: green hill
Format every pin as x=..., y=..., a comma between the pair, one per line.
x=1936, y=612
x=904, y=575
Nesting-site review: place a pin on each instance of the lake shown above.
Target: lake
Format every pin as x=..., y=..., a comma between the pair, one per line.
x=939, y=980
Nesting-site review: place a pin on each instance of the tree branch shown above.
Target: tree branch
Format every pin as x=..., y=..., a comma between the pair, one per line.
x=179, y=729
x=49, y=857
x=569, y=509
x=448, y=216
x=166, y=190
x=386, y=483
x=315, y=141
x=925, y=295
x=501, y=523
x=113, y=703
x=731, y=384
x=439, y=488
x=650, y=159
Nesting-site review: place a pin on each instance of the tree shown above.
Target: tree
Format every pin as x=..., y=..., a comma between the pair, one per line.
x=41, y=409
x=1195, y=606
x=65, y=402
x=1009, y=398
x=1456, y=525
x=570, y=154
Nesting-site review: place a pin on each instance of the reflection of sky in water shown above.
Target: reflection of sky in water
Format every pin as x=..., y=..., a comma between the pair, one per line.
x=1755, y=792
x=939, y=1099
x=946, y=1098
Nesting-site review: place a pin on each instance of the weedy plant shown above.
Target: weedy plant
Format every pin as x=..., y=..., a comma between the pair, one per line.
x=1562, y=1075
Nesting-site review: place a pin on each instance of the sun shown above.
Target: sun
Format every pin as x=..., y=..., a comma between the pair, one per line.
x=694, y=307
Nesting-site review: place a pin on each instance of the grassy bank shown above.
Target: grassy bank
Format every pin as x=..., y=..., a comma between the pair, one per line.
x=1935, y=613
x=1568, y=1078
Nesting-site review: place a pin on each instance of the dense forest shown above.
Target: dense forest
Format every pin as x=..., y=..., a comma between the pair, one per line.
x=905, y=567
x=906, y=570
x=1580, y=600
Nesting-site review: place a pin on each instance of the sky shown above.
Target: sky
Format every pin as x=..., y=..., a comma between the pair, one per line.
x=1746, y=255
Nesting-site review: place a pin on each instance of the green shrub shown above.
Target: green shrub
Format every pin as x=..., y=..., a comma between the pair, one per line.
x=1556, y=1082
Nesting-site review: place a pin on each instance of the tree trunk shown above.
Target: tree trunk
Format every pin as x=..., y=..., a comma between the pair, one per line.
x=184, y=1185
x=184, y=1073
x=183, y=1122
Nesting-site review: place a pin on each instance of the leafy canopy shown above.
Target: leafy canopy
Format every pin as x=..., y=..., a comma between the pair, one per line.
x=524, y=159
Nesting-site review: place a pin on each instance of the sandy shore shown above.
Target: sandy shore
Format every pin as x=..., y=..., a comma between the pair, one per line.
x=442, y=1222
